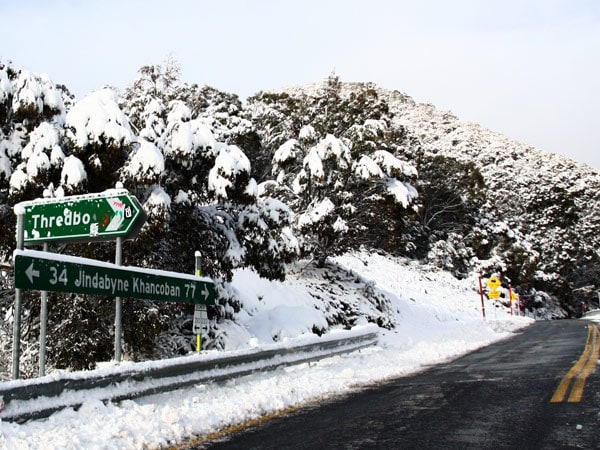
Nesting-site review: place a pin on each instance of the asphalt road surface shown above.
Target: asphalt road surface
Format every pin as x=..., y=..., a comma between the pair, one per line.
x=536, y=390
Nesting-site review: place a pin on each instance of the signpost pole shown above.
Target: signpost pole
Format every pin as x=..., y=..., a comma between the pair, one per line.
x=118, y=304
x=43, y=326
x=18, y=302
x=198, y=264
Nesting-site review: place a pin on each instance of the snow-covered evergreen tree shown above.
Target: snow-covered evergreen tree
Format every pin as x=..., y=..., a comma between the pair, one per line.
x=348, y=189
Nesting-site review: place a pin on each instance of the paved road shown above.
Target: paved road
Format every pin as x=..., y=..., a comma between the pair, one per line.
x=500, y=397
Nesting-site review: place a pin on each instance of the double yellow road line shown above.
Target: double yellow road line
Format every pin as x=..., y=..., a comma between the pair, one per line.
x=583, y=368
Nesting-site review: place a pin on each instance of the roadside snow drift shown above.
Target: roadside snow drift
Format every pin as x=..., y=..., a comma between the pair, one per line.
x=433, y=318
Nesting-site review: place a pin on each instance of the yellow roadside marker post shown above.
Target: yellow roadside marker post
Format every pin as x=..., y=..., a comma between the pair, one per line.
x=197, y=326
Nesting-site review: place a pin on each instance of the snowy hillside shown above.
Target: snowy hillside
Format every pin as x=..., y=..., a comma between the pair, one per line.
x=280, y=185
x=364, y=285
x=436, y=318
x=510, y=208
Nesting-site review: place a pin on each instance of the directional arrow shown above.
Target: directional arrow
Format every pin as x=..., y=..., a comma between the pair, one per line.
x=205, y=293
x=30, y=272
x=117, y=219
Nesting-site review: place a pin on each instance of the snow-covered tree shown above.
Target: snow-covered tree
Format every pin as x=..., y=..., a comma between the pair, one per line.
x=36, y=98
x=99, y=134
x=33, y=109
x=208, y=180
x=349, y=189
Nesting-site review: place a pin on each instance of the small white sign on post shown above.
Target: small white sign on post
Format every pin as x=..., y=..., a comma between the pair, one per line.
x=200, y=325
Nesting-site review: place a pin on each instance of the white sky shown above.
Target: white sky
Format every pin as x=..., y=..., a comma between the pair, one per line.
x=526, y=68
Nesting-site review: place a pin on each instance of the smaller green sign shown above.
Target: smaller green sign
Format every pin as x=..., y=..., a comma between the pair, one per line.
x=45, y=271
x=90, y=217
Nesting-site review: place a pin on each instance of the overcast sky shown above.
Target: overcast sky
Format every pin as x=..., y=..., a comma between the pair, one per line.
x=529, y=69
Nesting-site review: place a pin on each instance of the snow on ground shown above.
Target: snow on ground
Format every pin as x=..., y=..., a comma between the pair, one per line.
x=437, y=318
x=593, y=315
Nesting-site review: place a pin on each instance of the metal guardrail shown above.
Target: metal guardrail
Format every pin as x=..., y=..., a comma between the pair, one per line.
x=26, y=399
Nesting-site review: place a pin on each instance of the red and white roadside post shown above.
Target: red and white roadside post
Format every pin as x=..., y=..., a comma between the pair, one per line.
x=481, y=292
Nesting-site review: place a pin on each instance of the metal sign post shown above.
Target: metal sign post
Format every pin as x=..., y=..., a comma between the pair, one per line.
x=118, y=305
x=16, y=355
x=43, y=326
x=200, y=323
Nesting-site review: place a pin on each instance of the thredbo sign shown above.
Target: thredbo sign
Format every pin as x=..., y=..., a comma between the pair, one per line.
x=91, y=217
x=43, y=271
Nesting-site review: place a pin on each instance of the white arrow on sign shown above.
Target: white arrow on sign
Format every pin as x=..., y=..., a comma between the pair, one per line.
x=30, y=272
x=205, y=293
x=117, y=219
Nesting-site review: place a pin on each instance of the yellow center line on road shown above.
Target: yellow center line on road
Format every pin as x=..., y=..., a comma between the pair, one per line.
x=582, y=369
x=588, y=369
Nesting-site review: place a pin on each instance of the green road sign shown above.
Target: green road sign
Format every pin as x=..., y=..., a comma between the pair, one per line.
x=45, y=271
x=91, y=217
